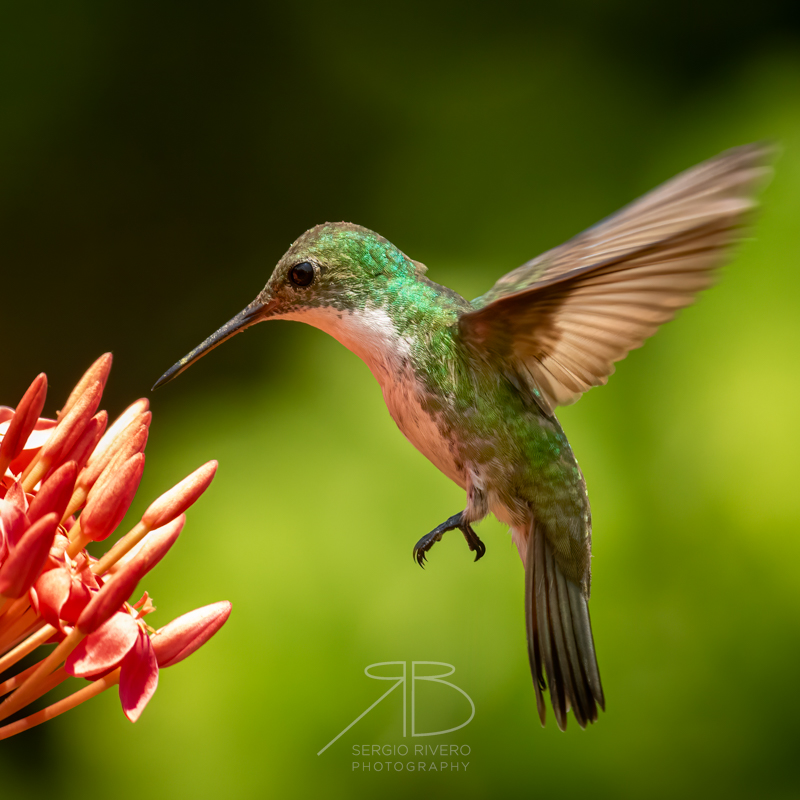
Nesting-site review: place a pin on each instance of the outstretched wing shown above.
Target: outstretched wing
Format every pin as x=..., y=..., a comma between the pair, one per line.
x=559, y=322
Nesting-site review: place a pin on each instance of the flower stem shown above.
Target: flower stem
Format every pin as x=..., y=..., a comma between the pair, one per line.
x=121, y=548
x=78, y=541
x=93, y=689
x=27, y=692
x=17, y=680
x=28, y=646
x=16, y=627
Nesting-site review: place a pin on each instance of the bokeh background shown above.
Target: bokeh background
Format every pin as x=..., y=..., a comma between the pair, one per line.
x=155, y=162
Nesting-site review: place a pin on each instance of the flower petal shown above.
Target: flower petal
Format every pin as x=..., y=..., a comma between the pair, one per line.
x=138, y=678
x=13, y=523
x=105, y=648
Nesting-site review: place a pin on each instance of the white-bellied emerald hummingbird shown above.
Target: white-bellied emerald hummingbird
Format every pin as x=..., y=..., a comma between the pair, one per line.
x=474, y=385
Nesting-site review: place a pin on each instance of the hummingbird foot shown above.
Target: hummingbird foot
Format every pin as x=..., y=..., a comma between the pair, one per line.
x=456, y=522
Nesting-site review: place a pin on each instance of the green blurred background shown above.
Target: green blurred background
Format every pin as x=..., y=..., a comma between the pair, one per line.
x=155, y=162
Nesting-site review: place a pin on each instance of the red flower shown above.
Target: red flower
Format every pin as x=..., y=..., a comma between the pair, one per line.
x=51, y=588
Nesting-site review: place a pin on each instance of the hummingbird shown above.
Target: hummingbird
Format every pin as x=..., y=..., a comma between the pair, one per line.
x=474, y=385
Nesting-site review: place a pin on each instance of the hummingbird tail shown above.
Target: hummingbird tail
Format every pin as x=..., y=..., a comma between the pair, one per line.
x=560, y=643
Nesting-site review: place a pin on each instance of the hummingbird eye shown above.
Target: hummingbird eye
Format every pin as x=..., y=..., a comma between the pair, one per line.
x=302, y=274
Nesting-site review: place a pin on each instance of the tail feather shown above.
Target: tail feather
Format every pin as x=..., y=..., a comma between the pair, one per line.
x=559, y=637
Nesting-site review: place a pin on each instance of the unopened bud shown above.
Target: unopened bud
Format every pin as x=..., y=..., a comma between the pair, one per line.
x=181, y=637
x=179, y=497
x=107, y=601
x=133, y=411
x=109, y=503
x=97, y=373
x=26, y=559
x=83, y=448
x=65, y=435
x=23, y=421
x=55, y=492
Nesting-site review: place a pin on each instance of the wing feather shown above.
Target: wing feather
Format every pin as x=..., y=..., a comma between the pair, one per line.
x=559, y=322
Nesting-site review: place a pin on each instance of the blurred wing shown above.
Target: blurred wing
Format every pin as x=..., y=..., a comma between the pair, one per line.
x=559, y=322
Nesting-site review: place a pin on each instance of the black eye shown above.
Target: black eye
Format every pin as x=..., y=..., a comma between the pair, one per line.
x=302, y=274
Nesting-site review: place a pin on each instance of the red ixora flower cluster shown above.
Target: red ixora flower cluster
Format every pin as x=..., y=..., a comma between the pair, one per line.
x=63, y=484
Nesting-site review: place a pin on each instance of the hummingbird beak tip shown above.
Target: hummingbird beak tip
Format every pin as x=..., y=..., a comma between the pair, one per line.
x=248, y=317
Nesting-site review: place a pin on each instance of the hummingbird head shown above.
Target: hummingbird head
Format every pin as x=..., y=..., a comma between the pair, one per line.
x=330, y=277
x=337, y=266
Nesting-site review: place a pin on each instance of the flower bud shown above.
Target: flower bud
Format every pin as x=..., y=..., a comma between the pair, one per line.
x=26, y=559
x=179, y=497
x=97, y=373
x=107, y=601
x=181, y=637
x=23, y=421
x=65, y=435
x=107, y=506
x=133, y=411
x=83, y=448
x=54, y=493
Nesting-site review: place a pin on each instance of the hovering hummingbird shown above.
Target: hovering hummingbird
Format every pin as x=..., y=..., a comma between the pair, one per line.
x=474, y=385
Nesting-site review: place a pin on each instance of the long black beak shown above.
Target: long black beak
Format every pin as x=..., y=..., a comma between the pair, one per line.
x=255, y=312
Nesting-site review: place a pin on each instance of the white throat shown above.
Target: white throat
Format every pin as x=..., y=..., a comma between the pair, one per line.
x=369, y=333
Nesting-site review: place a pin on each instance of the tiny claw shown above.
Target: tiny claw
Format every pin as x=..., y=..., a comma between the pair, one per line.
x=454, y=523
x=474, y=542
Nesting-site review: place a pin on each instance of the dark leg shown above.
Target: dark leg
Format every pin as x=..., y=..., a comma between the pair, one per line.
x=455, y=522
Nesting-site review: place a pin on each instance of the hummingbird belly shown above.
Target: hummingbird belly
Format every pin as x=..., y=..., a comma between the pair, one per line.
x=371, y=334
x=406, y=400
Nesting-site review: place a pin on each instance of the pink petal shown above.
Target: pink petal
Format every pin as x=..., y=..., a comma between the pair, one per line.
x=105, y=648
x=16, y=495
x=50, y=593
x=138, y=678
x=13, y=523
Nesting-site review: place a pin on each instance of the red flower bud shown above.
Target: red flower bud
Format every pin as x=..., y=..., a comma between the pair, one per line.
x=23, y=421
x=65, y=435
x=83, y=448
x=131, y=441
x=132, y=412
x=97, y=373
x=108, y=504
x=181, y=637
x=26, y=559
x=55, y=492
x=107, y=601
x=179, y=497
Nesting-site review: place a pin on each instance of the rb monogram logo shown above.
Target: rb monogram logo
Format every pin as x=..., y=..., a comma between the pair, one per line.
x=401, y=680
